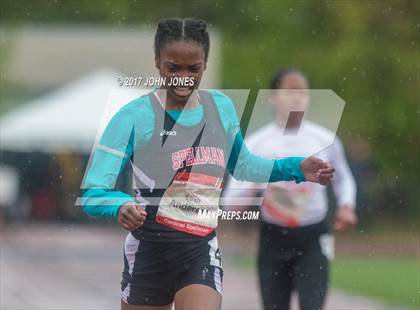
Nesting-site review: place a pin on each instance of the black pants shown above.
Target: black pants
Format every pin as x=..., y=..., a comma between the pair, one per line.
x=292, y=259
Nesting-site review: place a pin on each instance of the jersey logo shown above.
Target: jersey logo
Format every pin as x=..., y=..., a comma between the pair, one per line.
x=198, y=156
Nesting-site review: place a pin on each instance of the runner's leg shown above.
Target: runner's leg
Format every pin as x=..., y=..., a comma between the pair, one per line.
x=197, y=296
x=311, y=278
x=275, y=281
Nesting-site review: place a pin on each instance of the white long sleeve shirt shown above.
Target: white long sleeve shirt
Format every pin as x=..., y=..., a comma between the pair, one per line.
x=287, y=203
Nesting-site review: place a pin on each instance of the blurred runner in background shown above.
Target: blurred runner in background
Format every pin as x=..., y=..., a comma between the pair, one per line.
x=295, y=245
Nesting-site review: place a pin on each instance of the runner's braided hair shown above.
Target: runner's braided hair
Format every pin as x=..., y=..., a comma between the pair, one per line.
x=175, y=29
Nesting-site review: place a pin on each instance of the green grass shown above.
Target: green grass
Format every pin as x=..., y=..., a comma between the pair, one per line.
x=394, y=280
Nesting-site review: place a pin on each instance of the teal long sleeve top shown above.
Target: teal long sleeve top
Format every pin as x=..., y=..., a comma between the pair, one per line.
x=132, y=127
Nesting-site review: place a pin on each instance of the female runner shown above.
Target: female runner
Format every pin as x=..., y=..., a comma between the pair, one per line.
x=295, y=245
x=178, y=140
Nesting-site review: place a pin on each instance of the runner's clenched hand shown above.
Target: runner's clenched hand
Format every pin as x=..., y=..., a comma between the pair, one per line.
x=317, y=170
x=131, y=216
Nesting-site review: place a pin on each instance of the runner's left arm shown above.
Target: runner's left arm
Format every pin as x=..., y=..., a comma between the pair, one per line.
x=239, y=195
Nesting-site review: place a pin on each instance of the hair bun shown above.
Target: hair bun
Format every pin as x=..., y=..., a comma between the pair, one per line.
x=168, y=25
x=201, y=24
x=198, y=24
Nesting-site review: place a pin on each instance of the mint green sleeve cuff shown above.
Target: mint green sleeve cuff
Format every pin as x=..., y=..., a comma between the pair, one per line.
x=287, y=169
x=99, y=202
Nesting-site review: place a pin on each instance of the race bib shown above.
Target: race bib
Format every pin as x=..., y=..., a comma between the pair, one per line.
x=287, y=202
x=191, y=203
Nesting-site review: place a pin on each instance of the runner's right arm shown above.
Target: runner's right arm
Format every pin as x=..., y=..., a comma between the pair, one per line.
x=111, y=155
